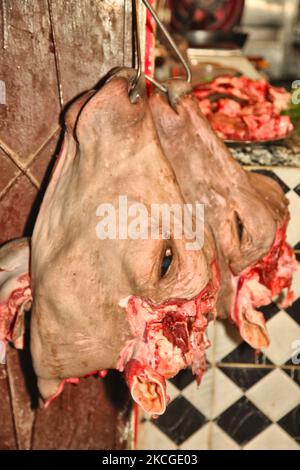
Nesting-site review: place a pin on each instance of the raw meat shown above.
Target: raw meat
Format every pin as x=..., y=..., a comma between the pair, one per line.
x=15, y=292
x=167, y=338
x=248, y=213
x=239, y=108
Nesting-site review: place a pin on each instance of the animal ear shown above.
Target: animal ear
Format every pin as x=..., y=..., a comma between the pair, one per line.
x=253, y=329
x=147, y=388
x=15, y=292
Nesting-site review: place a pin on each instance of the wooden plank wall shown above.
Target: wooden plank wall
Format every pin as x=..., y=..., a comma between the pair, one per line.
x=50, y=51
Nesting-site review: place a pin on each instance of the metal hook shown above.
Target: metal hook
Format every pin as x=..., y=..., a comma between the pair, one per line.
x=134, y=93
x=157, y=84
x=171, y=43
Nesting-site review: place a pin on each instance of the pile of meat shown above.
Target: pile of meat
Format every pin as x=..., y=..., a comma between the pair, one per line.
x=241, y=109
x=142, y=305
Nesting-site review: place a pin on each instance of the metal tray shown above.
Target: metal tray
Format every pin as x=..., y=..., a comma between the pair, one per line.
x=258, y=142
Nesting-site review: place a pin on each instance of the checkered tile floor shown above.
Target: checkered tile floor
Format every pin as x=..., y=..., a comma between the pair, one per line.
x=246, y=400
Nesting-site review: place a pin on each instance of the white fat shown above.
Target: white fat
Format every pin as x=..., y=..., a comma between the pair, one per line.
x=2, y=352
x=123, y=303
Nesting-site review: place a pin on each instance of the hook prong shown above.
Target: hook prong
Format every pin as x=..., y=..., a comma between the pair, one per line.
x=170, y=40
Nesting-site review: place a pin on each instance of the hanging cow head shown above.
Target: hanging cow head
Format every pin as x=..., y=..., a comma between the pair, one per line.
x=112, y=302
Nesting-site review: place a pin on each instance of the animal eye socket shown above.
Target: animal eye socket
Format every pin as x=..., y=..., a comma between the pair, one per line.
x=166, y=262
x=239, y=226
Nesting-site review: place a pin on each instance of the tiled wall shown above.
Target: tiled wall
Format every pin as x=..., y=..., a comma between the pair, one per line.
x=246, y=400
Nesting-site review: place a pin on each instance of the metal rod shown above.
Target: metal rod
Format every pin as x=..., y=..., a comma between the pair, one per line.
x=170, y=41
x=124, y=30
x=157, y=84
x=136, y=29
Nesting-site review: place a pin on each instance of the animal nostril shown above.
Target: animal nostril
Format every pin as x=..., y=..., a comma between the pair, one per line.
x=166, y=262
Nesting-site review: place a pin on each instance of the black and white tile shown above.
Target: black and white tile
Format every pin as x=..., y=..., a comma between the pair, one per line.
x=247, y=400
